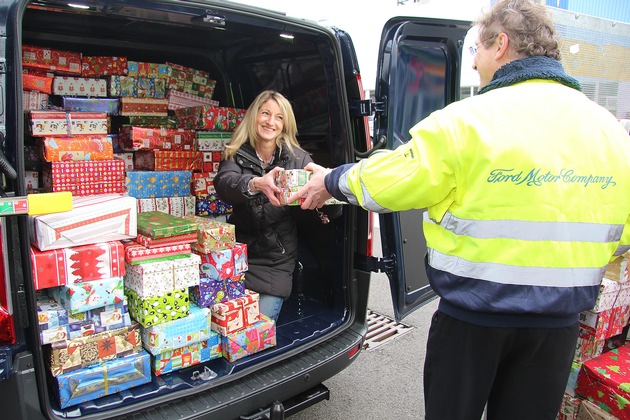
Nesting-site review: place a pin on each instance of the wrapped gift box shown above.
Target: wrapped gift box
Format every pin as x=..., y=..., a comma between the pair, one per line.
x=150, y=87
x=92, y=220
x=123, y=86
x=137, y=87
x=83, y=178
x=212, y=140
x=608, y=294
x=178, y=333
x=158, y=184
x=142, y=138
x=93, y=294
x=63, y=149
x=177, y=206
x=70, y=355
x=79, y=86
x=156, y=278
x=126, y=157
x=50, y=59
x=212, y=235
x=177, y=99
x=239, y=254
x=590, y=411
x=209, y=292
x=189, y=355
x=235, y=286
x=207, y=117
x=144, y=106
x=217, y=265
x=188, y=80
x=34, y=101
x=110, y=106
x=202, y=183
x=618, y=270
x=146, y=69
x=57, y=267
x=254, y=338
x=52, y=321
x=162, y=225
x=587, y=346
x=151, y=121
x=98, y=320
x=604, y=381
x=160, y=308
x=32, y=82
x=235, y=314
x=211, y=204
x=136, y=253
x=56, y=123
x=569, y=407
x=149, y=242
x=31, y=180
x=167, y=160
x=98, y=66
x=103, y=379
x=212, y=156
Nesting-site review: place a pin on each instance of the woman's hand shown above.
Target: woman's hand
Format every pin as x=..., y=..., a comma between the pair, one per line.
x=266, y=184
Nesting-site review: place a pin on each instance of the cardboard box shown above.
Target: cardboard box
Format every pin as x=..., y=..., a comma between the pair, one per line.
x=290, y=180
x=142, y=138
x=98, y=66
x=189, y=355
x=70, y=355
x=212, y=235
x=57, y=267
x=177, y=206
x=79, y=148
x=178, y=333
x=83, y=178
x=88, y=295
x=56, y=123
x=79, y=86
x=110, y=106
x=50, y=59
x=158, y=184
x=160, y=308
x=93, y=219
x=254, y=338
x=236, y=314
x=162, y=225
x=103, y=379
x=167, y=160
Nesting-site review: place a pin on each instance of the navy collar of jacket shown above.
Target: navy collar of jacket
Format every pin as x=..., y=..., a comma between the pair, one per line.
x=250, y=158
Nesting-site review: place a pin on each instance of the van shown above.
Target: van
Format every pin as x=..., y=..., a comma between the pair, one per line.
x=322, y=326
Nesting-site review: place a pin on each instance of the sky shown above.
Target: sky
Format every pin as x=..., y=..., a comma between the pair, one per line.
x=364, y=20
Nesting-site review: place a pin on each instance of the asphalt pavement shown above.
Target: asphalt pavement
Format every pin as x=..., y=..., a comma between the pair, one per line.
x=386, y=381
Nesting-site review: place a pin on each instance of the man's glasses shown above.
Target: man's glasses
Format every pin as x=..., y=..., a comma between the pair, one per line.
x=473, y=48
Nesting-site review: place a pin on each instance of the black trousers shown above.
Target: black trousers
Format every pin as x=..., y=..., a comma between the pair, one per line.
x=520, y=373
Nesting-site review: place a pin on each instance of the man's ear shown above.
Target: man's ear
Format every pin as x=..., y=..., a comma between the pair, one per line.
x=502, y=46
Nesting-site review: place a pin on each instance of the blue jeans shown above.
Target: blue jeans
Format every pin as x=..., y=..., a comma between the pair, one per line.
x=270, y=305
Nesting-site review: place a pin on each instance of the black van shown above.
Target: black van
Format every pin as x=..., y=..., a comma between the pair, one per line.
x=322, y=327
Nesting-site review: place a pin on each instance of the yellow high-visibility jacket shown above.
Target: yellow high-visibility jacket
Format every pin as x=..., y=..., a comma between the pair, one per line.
x=528, y=195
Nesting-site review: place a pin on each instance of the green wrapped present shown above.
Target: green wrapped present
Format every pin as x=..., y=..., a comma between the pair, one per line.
x=157, y=309
x=157, y=224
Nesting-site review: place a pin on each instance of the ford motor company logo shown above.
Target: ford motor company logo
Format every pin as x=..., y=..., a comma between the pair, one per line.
x=537, y=177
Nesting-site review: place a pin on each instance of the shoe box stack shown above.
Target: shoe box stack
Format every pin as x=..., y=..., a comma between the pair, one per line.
x=137, y=144
x=600, y=374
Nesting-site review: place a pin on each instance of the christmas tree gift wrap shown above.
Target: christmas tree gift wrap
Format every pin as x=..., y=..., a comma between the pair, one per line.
x=209, y=292
x=93, y=219
x=88, y=295
x=158, y=309
x=178, y=333
x=70, y=355
x=103, y=379
x=162, y=225
x=604, y=380
x=177, y=206
x=217, y=265
x=235, y=314
x=136, y=253
x=212, y=235
x=63, y=149
x=239, y=254
x=78, y=264
x=256, y=337
x=158, y=184
x=186, y=356
x=149, y=242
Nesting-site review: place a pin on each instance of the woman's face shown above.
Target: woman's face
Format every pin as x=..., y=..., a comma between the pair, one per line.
x=269, y=121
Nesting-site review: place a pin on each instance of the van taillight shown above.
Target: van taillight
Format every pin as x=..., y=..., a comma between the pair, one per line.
x=7, y=329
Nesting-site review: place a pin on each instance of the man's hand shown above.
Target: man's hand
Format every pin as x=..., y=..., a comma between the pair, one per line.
x=314, y=192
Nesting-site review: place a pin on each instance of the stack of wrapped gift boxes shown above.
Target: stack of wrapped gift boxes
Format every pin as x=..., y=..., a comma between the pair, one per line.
x=597, y=387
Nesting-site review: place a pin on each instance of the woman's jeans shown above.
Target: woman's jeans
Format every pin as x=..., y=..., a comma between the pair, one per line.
x=270, y=305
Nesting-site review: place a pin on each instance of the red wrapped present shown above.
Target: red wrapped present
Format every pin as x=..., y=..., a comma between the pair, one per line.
x=79, y=86
x=59, y=149
x=167, y=160
x=236, y=314
x=188, y=80
x=85, y=177
x=239, y=254
x=217, y=265
x=569, y=407
x=149, y=242
x=142, y=138
x=136, y=253
x=587, y=346
x=37, y=83
x=209, y=117
x=144, y=107
x=103, y=66
x=252, y=339
x=604, y=381
x=58, y=267
x=202, y=183
x=50, y=59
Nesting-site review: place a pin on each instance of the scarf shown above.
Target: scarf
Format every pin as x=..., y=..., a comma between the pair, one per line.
x=535, y=67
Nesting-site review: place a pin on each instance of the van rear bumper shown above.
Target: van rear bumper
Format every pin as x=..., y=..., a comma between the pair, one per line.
x=256, y=392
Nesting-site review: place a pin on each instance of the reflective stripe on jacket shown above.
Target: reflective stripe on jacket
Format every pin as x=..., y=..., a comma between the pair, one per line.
x=527, y=189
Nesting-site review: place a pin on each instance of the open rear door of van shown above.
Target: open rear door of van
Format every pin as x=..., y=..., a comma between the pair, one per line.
x=418, y=72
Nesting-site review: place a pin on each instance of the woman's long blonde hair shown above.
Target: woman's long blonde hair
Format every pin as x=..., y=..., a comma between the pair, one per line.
x=246, y=130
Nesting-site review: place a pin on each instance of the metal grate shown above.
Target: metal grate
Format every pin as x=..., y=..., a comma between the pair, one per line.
x=382, y=329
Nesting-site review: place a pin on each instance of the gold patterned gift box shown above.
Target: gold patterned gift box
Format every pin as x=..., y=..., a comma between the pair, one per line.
x=69, y=355
x=212, y=235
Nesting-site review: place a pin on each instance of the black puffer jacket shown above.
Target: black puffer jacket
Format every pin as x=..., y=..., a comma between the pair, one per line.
x=270, y=232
